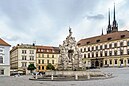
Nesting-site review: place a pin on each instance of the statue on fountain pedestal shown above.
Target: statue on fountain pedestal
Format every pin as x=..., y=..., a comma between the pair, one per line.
x=70, y=56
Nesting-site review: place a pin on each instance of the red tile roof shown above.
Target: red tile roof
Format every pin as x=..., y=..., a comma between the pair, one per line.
x=104, y=38
x=2, y=42
x=49, y=48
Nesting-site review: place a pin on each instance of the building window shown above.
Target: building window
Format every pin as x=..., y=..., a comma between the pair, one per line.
x=122, y=36
x=115, y=45
x=110, y=61
x=42, y=67
x=96, y=54
x=1, y=50
x=88, y=42
x=92, y=55
x=121, y=52
x=115, y=53
x=23, y=51
x=81, y=49
x=84, y=62
x=39, y=67
x=101, y=47
x=88, y=55
x=39, y=55
x=109, y=39
x=88, y=48
x=105, y=62
x=97, y=40
x=52, y=61
x=84, y=49
x=39, y=61
x=105, y=53
x=110, y=53
x=105, y=46
x=47, y=61
x=42, y=61
x=115, y=61
x=121, y=43
x=52, y=56
x=121, y=60
x=31, y=51
x=128, y=51
x=92, y=48
x=31, y=57
x=84, y=55
x=128, y=61
x=110, y=45
x=43, y=55
x=1, y=59
x=47, y=55
x=101, y=54
x=23, y=64
x=128, y=43
x=23, y=57
x=96, y=47
x=2, y=72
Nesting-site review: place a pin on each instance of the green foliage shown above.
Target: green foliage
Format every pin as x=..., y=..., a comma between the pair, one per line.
x=31, y=67
x=50, y=67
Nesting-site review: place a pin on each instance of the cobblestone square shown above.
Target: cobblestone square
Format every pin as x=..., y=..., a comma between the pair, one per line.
x=121, y=78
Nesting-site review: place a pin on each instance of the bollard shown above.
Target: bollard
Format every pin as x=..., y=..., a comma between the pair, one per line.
x=76, y=77
x=52, y=77
x=36, y=76
x=88, y=76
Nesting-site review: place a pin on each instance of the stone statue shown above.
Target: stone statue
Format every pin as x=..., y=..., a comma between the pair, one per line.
x=70, y=56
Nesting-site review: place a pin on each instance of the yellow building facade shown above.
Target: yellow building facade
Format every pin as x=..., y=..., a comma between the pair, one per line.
x=46, y=55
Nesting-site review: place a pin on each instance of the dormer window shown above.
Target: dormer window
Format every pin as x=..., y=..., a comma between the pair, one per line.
x=109, y=38
x=88, y=42
x=98, y=40
x=122, y=36
x=79, y=44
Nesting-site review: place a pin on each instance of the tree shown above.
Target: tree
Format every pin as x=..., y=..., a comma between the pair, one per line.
x=50, y=67
x=31, y=67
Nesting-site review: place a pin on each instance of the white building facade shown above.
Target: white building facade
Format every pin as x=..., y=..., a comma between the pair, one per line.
x=4, y=58
x=22, y=56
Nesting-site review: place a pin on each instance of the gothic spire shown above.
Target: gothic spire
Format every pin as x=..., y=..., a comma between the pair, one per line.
x=115, y=25
x=109, y=17
x=114, y=11
x=109, y=25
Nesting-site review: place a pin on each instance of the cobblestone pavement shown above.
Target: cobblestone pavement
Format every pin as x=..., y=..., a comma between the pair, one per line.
x=121, y=79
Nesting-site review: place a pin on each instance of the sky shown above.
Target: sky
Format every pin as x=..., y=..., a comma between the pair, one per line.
x=47, y=22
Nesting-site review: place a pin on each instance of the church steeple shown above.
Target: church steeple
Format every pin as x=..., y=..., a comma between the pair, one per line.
x=114, y=12
x=109, y=25
x=115, y=25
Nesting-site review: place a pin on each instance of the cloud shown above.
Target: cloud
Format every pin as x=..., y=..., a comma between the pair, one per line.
x=12, y=38
x=95, y=17
x=47, y=22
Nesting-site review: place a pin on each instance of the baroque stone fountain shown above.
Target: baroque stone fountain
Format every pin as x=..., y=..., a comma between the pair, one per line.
x=70, y=64
x=70, y=57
